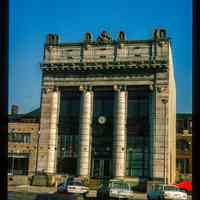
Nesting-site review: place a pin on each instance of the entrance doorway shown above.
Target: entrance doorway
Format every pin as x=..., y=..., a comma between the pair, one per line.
x=101, y=168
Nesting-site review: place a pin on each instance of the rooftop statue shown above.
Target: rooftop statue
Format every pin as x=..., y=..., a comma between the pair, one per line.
x=104, y=37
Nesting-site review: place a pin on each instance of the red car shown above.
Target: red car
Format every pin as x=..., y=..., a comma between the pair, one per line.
x=185, y=185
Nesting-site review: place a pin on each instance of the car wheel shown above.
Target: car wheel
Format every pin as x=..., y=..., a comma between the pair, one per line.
x=82, y=196
x=148, y=198
x=99, y=196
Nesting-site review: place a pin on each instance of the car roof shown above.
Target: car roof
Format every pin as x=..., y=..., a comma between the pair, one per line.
x=119, y=181
x=116, y=180
x=166, y=185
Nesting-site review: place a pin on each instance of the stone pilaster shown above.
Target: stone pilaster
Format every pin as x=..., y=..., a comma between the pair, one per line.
x=48, y=130
x=159, y=155
x=85, y=131
x=119, y=135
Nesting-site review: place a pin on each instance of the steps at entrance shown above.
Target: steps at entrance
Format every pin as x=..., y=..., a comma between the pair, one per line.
x=94, y=184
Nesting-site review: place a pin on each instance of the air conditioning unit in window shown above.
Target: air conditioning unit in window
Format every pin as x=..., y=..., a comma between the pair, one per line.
x=185, y=132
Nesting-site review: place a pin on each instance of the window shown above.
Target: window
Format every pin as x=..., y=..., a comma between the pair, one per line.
x=103, y=104
x=183, y=165
x=19, y=137
x=18, y=164
x=185, y=124
x=68, y=145
x=137, y=157
x=190, y=124
x=183, y=145
x=137, y=162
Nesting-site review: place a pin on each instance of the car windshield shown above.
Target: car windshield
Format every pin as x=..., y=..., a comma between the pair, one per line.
x=76, y=183
x=171, y=188
x=120, y=185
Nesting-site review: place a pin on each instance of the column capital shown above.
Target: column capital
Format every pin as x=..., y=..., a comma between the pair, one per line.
x=50, y=89
x=164, y=100
x=47, y=89
x=119, y=87
x=85, y=88
x=55, y=89
x=151, y=87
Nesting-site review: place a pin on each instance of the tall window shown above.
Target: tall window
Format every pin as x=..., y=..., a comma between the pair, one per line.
x=137, y=135
x=68, y=129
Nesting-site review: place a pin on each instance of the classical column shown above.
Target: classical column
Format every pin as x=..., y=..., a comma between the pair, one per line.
x=119, y=135
x=48, y=130
x=52, y=148
x=85, y=131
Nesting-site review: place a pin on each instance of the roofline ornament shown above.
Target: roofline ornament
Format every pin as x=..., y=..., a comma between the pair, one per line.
x=104, y=38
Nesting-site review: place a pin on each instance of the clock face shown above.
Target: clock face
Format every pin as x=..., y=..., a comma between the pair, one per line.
x=102, y=120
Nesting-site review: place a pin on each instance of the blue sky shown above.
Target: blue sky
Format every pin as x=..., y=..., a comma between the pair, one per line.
x=31, y=21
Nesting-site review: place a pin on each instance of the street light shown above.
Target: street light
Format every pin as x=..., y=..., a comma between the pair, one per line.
x=37, y=150
x=164, y=101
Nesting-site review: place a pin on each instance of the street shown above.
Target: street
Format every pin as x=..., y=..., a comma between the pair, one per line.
x=49, y=193
x=32, y=196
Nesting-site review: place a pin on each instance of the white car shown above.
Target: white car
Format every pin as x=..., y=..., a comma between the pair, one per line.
x=74, y=186
x=77, y=187
x=116, y=189
x=165, y=192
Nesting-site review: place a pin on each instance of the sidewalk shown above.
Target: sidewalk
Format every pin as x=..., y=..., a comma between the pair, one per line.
x=32, y=189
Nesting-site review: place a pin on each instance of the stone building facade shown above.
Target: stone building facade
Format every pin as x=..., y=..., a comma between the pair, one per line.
x=108, y=108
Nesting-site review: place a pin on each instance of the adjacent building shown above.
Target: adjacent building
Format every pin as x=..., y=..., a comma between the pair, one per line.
x=108, y=108
x=23, y=132
x=184, y=146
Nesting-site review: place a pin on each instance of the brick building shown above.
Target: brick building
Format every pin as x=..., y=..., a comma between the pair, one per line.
x=23, y=132
x=184, y=145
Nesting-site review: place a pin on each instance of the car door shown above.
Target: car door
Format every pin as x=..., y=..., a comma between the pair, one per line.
x=157, y=192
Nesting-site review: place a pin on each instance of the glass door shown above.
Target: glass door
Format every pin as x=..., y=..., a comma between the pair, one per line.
x=106, y=168
x=101, y=168
x=96, y=168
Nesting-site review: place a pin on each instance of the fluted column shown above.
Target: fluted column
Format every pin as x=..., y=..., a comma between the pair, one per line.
x=85, y=131
x=119, y=135
x=48, y=130
x=53, y=132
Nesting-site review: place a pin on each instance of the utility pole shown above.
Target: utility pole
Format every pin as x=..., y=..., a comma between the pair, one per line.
x=37, y=150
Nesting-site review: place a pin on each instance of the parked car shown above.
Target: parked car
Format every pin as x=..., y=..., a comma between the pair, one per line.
x=165, y=192
x=115, y=189
x=62, y=187
x=75, y=186
x=186, y=186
